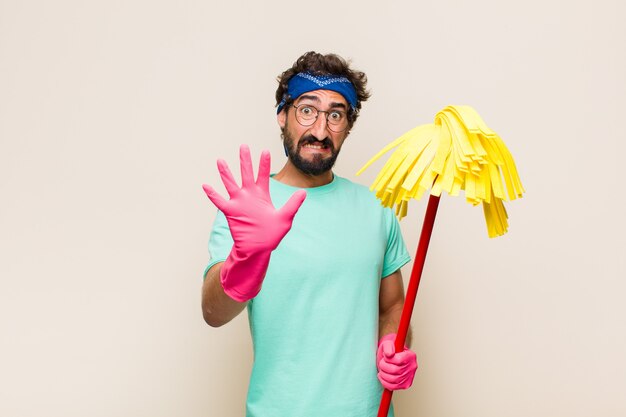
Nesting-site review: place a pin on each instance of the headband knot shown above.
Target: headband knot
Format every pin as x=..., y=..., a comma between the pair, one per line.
x=303, y=82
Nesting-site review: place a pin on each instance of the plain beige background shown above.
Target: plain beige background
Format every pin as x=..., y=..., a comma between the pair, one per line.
x=112, y=115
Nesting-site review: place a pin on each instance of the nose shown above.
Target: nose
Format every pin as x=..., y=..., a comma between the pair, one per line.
x=319, y=129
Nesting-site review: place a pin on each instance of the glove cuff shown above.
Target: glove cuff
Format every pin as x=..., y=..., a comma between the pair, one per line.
x=242, y=274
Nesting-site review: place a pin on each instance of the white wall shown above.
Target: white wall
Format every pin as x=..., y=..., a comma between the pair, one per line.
x=112, y=115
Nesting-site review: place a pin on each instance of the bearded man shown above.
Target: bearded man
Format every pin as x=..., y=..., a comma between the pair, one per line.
x=320, y=276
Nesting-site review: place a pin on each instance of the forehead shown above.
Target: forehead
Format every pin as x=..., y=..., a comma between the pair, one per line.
x=324, y=97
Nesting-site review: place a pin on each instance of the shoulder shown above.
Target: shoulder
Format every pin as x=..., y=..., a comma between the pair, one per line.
x=357, y=191
x=346, y=184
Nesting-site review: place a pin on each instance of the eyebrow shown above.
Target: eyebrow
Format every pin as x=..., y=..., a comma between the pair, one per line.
x=333, y=105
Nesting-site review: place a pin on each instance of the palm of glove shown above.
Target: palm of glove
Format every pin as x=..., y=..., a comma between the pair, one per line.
x=255, y=224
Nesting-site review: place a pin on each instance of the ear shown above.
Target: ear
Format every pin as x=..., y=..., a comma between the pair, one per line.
x=281, y=117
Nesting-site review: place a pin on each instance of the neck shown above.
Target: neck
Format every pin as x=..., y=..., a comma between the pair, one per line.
x=292, y=176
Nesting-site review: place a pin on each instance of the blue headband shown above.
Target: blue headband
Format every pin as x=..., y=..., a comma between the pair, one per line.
x=304, y=82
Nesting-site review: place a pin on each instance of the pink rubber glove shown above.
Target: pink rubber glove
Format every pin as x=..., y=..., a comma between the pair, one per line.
x=395, y=370
x=255, y=225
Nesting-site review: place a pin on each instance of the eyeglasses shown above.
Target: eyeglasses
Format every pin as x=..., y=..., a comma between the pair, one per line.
x=306, y=115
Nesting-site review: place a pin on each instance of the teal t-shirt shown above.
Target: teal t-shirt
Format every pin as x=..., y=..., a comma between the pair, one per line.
x=314, y=324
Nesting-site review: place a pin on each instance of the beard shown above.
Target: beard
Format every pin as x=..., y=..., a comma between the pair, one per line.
x=318, y=164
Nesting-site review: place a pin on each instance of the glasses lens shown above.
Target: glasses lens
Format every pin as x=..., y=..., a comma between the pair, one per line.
x=306, y=115
x=337, y=120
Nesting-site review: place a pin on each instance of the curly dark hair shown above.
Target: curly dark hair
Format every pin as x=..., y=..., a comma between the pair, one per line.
x=329, y=64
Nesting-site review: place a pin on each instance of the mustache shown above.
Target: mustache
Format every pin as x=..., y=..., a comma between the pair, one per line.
x=310, y=139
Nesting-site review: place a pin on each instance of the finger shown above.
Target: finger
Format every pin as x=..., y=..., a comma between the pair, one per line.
x=227, y=177
x=396, y=377
x=385, y=384
x=391, y=368
x=215, y=198
x=396, y=381
x=247, y=174
x=389, y=380
x=263, y=179
x=402, y=358
x=291, y=207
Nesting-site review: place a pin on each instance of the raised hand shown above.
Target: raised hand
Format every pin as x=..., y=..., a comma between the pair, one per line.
x=256, y=226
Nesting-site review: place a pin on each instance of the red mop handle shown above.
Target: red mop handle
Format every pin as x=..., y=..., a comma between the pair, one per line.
x=411, y=292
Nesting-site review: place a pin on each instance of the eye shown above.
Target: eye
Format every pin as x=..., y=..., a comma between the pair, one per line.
x=336, y=116
x=306, y=111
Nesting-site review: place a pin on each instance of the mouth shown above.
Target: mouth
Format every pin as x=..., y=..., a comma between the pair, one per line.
x=316, y=147
x=310, y=145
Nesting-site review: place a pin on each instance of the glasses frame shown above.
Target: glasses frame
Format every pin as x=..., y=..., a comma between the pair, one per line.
x=328, y=124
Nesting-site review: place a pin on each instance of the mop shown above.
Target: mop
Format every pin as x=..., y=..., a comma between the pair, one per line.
x=458, y=152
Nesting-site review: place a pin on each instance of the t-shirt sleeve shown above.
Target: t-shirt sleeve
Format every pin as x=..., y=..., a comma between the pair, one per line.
x=220, y=241
x=396, y=254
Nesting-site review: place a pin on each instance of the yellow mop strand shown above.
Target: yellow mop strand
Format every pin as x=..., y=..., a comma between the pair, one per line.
x=456, y=152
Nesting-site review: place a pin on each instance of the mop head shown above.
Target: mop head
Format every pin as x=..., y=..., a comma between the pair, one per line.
x=456, y=152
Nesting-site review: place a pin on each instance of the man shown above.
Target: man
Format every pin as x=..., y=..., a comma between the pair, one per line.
x=320, y=276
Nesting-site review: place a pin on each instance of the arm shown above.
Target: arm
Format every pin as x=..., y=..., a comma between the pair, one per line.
x=390, y=305
x=396, y=370
x=217, y=307
x=256, y=227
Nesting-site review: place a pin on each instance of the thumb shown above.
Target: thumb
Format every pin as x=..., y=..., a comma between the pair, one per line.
x=215, y=198
x=292, y=206
x=389, y=349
